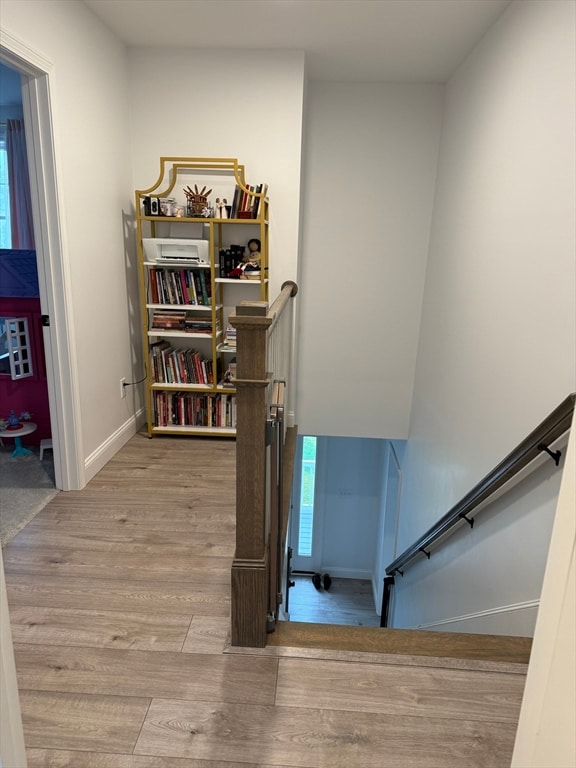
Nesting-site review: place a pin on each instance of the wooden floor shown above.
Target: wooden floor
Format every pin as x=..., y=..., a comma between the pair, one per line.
x=347, y=602
x=120, y=603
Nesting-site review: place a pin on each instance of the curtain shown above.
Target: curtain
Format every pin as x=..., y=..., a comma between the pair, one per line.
x=19, y=184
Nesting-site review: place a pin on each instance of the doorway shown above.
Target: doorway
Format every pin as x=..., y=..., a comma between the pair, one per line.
x=334, y=523
x=52, y=274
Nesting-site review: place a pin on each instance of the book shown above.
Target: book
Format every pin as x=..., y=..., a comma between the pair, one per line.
x=170, y=320
x=153, y=287
x=194, y=323
x=241, y=201
x=256, y=202
x=235, y=203
x=191, y=286
x=249, y=202
x=204, y=288
x=187, y=299
x=229, y=341
x=156, y=363
x=222, y=262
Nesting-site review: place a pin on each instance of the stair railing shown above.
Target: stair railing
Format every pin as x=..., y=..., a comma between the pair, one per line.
x=537, y=442
x=263, y=367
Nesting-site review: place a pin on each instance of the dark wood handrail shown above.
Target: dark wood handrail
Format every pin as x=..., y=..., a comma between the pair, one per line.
x=553, y=427
x=288, y=291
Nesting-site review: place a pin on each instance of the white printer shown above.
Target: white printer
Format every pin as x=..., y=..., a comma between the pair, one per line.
x=171, y=250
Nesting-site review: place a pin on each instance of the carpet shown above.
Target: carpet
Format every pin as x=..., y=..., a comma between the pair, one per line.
x=26, y=486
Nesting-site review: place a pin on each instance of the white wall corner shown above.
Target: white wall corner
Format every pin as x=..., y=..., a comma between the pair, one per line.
x=545, y=735
x=12, y=750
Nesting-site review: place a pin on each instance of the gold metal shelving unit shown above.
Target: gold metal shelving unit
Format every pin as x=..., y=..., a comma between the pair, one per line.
x=179, y=406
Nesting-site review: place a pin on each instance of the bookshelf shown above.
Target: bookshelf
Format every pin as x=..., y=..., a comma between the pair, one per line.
x=202, y=241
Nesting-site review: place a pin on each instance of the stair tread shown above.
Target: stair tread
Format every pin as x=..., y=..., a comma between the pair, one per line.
x=410, y=642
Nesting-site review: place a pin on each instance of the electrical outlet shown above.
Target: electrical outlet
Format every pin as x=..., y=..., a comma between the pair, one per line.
x=122, y=388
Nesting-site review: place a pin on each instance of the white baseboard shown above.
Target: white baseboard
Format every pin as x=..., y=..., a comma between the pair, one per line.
x=347, y=573
x=110, y=447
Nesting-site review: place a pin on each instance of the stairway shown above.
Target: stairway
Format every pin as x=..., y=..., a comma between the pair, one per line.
x=402, y=642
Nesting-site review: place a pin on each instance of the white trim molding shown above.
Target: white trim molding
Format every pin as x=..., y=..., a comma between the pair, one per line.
x=19, y=55
x=110, y=447
x=545, y=734
x=347, y=573
x=526, y=605
x=12, y=750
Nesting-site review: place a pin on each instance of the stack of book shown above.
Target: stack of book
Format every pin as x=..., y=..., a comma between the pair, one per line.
x=246, y=202
x=229, y=343
x=194, y=409
x=173, y=320
x=195, y=324
x=179, y=366
x=230, y=258
x=179, y=286
x=180, y=320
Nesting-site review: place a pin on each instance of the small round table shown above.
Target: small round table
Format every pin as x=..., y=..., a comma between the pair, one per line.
x=25, y=428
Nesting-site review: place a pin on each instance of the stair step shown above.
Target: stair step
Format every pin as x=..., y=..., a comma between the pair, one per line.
x=408, y=642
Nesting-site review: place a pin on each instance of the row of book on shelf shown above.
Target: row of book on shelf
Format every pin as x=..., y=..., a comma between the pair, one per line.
x=246, y=204
x=179, y=286
x=179, y=366
x=180, y=320
x=194, y=409
x=229, y=259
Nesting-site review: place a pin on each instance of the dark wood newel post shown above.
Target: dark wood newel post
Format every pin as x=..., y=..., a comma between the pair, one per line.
x=250, y=565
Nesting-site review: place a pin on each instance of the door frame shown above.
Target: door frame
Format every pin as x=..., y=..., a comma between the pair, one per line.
x=388, y=529
x=53, y=271
x=391, y=503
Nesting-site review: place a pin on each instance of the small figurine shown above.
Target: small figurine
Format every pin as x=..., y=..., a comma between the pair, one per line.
x=221, y=207
x=252, y=255
x=249, y=269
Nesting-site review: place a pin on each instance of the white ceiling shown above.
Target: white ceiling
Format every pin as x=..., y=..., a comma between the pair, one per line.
x=344, y=40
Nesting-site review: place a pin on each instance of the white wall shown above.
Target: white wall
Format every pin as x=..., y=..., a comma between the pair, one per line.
x=370, y=166
x=503, y=228
x=497, y=341
x=12, y=749
x=90, y=119
x=242, y=104
x=488, y=578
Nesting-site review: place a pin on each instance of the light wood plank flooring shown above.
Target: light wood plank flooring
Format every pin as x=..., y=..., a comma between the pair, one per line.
x=347, y=602
x=120, y=601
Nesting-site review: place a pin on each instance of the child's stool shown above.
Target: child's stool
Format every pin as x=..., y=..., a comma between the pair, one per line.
x=45, y=445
